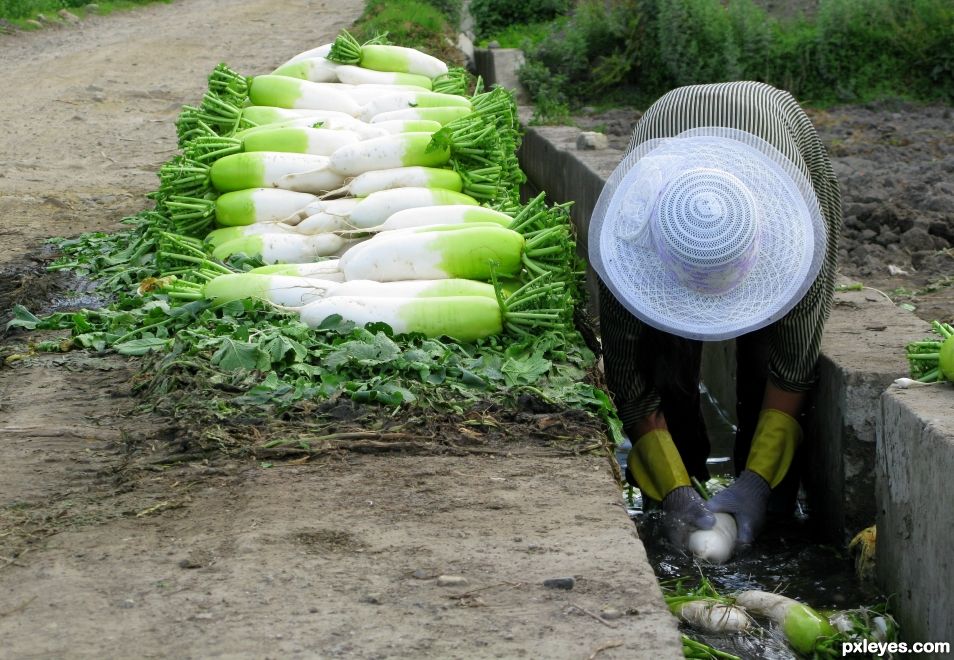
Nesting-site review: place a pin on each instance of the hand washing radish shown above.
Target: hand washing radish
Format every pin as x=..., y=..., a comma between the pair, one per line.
x=803, y=626
x=717, y=544
x=400, y=177
x=356, y=75
x=284, y=247
x=273, y=169
x=292, y=93
x=403, y=150
x=347, y=50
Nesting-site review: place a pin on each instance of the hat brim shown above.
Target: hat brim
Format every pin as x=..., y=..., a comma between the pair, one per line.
x=792, y=236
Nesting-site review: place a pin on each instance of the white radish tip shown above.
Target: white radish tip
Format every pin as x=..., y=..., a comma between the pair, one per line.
x=717, y=544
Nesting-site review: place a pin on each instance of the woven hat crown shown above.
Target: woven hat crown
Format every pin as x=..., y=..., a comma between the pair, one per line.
x=707, y=235
x=705, y=229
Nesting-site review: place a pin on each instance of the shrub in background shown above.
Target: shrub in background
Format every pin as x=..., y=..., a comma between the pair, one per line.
x=495, y=15
x=452, y=9
x=591, y=52
x=851, y=50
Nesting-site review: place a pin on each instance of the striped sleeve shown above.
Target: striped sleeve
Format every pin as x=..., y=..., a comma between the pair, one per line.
x=776, y=117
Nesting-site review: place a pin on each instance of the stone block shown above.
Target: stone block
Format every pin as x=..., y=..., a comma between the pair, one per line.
x=915, y=461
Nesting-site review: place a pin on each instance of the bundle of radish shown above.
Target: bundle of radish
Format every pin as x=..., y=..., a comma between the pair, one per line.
x=932, y=360
x=277, y=241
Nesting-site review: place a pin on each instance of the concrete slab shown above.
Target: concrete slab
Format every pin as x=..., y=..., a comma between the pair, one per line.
x=498, y=66
x=862, y=353
x=915, y=461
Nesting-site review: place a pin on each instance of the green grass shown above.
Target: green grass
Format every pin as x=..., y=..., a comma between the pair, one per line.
x=20, y=11
x=417, y=24
x=521, y=35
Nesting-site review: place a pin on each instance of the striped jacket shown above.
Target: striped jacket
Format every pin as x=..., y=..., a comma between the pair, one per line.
x=795, y=339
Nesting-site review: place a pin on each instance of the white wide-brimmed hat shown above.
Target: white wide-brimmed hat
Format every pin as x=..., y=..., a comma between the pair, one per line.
x=707, y=235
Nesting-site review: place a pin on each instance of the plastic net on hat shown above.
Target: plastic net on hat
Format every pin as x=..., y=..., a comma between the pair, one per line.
x=705, y=229
x=664, y=200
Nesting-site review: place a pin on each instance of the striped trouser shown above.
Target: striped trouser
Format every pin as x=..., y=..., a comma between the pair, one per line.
x=632, y=350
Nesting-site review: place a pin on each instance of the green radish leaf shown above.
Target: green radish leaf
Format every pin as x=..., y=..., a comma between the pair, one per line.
x=379, y=350
x=526, y=371
x=142, y=346
x=281, y=346
x=239, y=355
x=23, y=318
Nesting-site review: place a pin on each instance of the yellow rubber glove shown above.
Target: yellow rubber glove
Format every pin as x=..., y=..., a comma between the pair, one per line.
x=657, y=465
x=773, y=445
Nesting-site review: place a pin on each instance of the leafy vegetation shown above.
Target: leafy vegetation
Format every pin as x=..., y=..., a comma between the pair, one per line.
x=19, y=10
x=851, y=50
x=519, y=35
x=492, y=16
x=428, y=25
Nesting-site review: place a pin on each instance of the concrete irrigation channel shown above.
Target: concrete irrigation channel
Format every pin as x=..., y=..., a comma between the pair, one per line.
x=877, y=453
x=511, y=551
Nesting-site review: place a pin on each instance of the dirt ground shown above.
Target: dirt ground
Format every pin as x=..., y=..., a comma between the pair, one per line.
x=118, y=539
x=127, y=534
x=895, y=164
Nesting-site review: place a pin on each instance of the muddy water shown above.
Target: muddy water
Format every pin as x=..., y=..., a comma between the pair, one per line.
x=787, y=557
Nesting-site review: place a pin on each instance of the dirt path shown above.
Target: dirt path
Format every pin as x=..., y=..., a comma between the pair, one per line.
x=104, y=554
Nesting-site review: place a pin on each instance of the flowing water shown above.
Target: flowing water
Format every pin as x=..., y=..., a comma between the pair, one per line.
x=788, y=557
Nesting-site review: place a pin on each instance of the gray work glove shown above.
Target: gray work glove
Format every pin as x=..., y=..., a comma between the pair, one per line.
x=684, y=511
x=747, y=500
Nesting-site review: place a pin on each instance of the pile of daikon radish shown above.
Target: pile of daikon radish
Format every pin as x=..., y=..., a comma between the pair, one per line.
x=374, y=187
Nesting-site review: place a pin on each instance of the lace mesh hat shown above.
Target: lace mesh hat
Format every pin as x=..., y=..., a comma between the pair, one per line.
x=708, y=235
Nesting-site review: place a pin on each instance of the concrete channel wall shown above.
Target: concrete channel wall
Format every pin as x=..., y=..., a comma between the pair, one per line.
x=915, y=461
x=848, y=423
